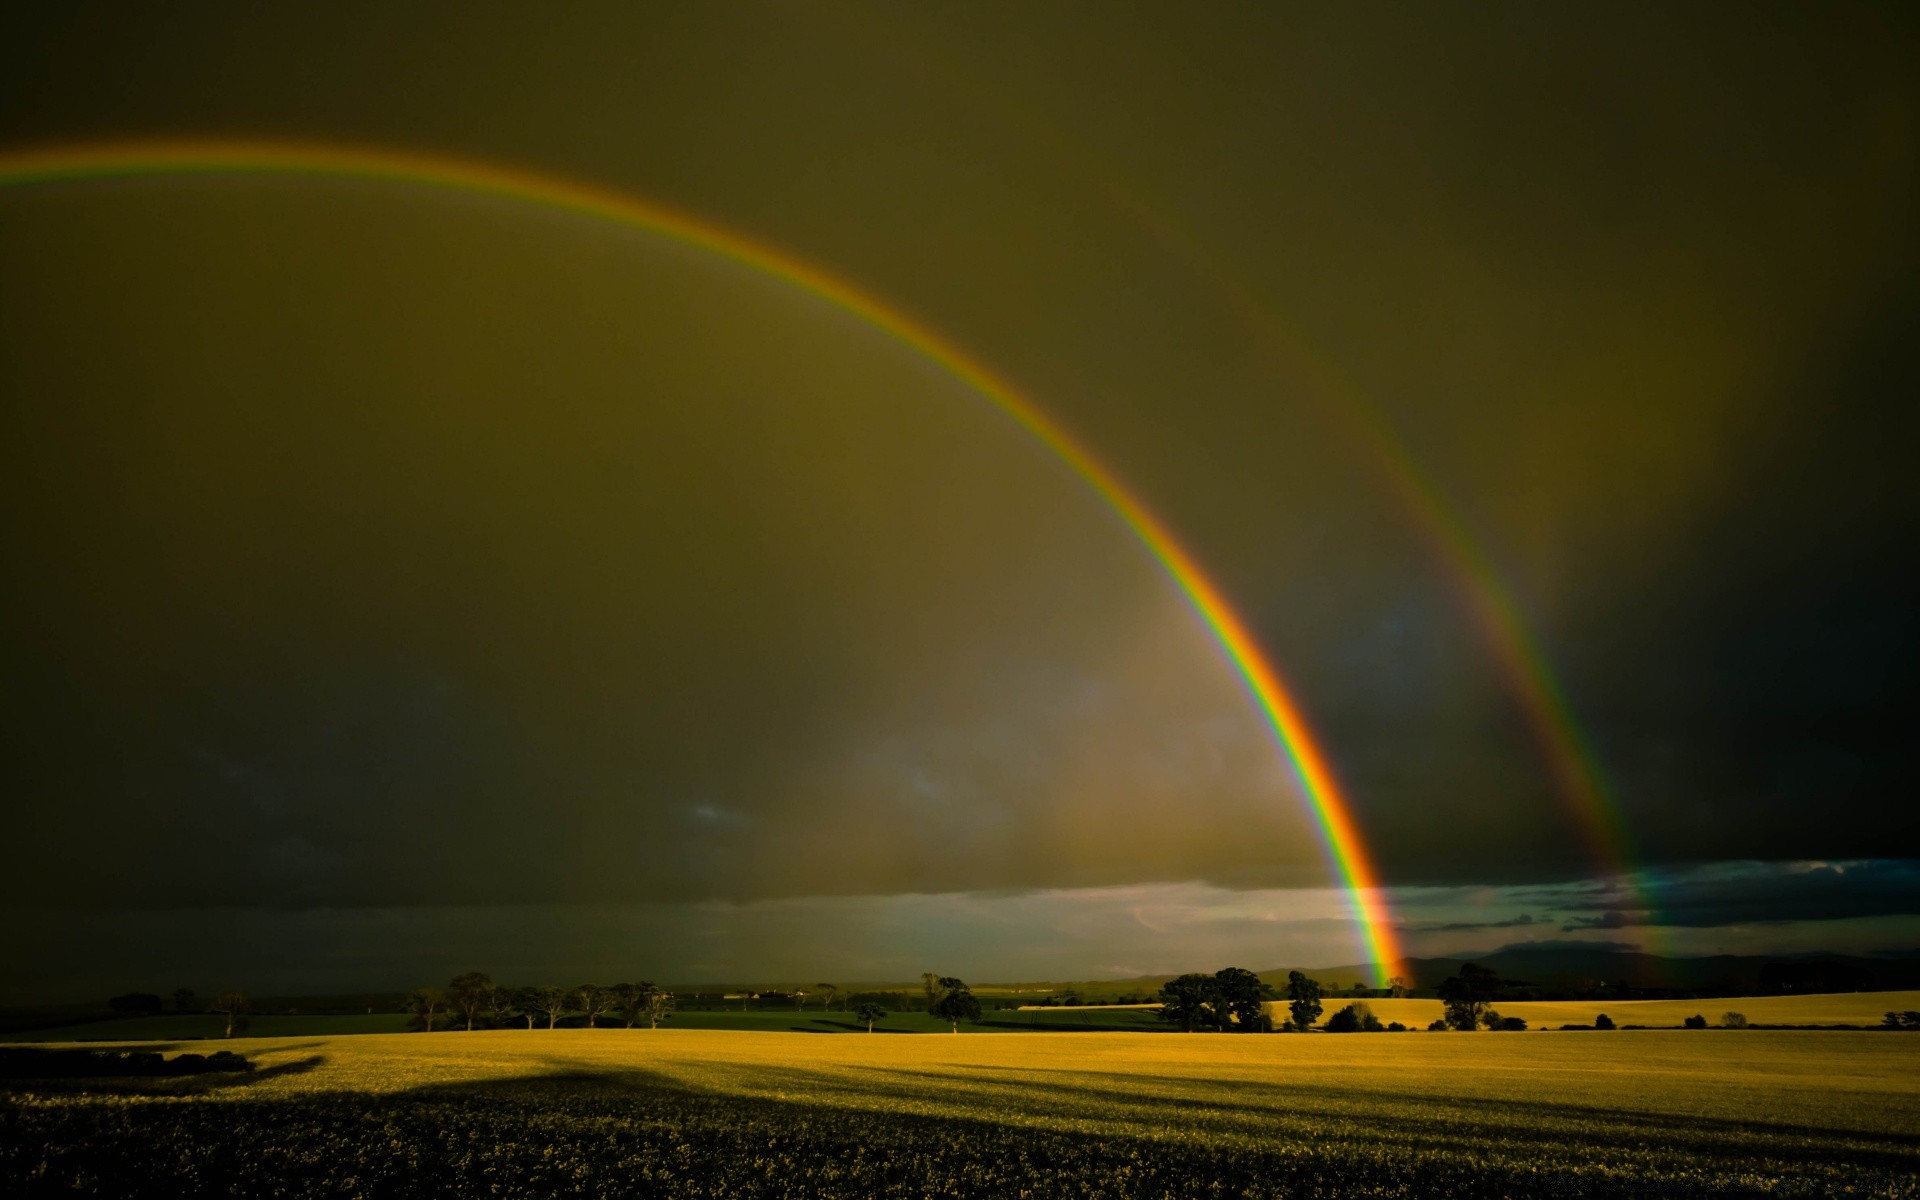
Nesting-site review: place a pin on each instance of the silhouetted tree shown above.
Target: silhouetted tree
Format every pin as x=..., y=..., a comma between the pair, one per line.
x=869, y=1012
x=230, y=1004
x=1303, y=1000
x=467, y=994
x=1696, y=1021
x=1399, y=988
x=1438, y=1027
x=590, y=1000
x=660, y=1005
x=503, y=1005
x=550, y=1002
x=1188, y=1000
x=526, y=1004
x=1733, y=1020
x=425, y=1004
x=1238, y=997
x=930, y=984
x=630, y=1001
x=185, y=1001
x=1354, y=1018
x=1468, y=996
x=826, y=992
x=956, y=1003
x=1603, y=1021
x=1509, y=1024
x=137, y=1004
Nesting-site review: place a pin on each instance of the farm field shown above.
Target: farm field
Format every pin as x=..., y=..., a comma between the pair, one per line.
x=680, y=1112
x=1840, y=1008
x=1847, y=1008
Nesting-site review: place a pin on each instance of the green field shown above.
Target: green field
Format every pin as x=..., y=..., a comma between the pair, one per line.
x=682, y=1112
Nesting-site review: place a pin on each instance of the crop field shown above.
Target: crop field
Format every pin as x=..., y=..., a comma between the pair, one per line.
x=1839, y=1008
x=682, y=1112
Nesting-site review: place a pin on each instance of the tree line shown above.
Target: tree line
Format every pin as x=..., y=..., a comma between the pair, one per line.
x=474, y=1001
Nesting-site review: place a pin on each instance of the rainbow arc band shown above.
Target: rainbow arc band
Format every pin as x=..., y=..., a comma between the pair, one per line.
x=79, y=162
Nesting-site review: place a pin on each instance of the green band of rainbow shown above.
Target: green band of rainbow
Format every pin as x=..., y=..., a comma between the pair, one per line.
x=1276, y=704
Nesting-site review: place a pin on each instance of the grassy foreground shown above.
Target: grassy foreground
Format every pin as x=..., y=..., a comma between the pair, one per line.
x=697, y=1113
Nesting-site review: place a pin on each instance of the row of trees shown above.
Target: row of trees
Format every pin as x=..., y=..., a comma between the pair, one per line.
x=477, y=1001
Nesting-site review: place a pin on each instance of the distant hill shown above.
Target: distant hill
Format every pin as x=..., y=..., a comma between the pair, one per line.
x=1564, y=967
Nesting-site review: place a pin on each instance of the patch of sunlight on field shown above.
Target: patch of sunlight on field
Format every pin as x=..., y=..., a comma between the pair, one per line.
x=1827, y=1076
x=1841, y=1008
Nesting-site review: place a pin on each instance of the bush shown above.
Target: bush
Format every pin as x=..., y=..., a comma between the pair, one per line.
x=1603, y=1021
x=1733, y=1020
x=1354, y=1018
x=1696, y=1021
x=1512, y=1024
x=1438, y=1027
x=1396, y=1027
x=1903, y=1020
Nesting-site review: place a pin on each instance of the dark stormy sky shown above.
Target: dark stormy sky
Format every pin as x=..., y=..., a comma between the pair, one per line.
x=396, y=579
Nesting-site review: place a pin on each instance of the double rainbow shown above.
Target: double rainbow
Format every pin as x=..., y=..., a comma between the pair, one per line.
x=1275, y=703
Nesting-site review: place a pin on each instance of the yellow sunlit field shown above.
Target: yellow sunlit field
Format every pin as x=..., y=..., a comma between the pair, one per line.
x=697, y=1112
x=1840, y=1008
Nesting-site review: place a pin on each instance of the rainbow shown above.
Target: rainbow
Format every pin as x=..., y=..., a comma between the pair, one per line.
x=1282, y=713
x=1579, y=776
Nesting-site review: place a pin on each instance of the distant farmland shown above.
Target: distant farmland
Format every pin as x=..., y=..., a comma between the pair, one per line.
x=1842, y=1008
x=697, y=1113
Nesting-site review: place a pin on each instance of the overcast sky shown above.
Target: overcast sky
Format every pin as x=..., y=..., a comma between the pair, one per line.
x=382, y=559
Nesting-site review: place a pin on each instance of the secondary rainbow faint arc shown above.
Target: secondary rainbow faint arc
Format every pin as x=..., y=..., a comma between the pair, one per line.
x=1276, y=703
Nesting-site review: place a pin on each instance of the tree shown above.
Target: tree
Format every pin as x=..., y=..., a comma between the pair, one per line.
x=230, y=1004
x=185, y=1001
x=425, y=1004
x=1696, y=1021
x=799, y=998
x=1188, y=1001
x=590, y=1000
x=503, y=1005
x=1239, y=996
x=1354, y=1018
x=630, y=1001
x=1438, y=1027
x=956, y=1003
x=1603, y=1021
x=526, y=1003
x=930, y=983
x=1303, y=1000
x=1510, y=1024
x=549, y=1001
x=826, y=991
x=1399, y=988
x=137, y=1004
x=468, y=995
x=1733, y=1020
x=1468, y=996
x=659, y=1006
x=869, y=1012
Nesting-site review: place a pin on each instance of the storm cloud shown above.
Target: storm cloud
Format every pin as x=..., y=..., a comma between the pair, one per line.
x=366, y=545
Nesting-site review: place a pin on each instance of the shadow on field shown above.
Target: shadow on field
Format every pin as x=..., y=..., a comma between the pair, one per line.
x=580, y=1131
x=1358, y=1116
